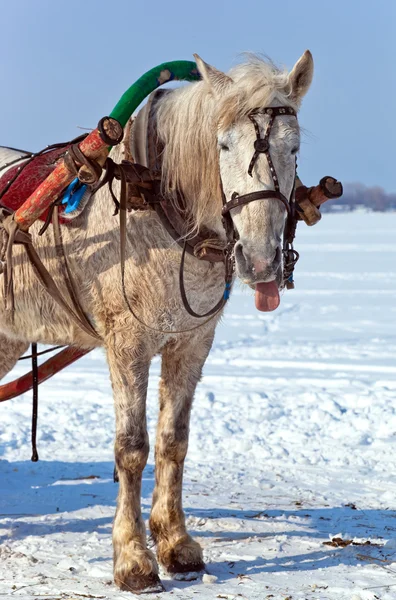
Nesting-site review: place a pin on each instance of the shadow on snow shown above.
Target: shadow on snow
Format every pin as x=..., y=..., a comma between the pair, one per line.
x=47, y=488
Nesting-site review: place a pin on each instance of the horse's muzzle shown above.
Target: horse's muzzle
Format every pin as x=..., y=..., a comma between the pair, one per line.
x=253, y=269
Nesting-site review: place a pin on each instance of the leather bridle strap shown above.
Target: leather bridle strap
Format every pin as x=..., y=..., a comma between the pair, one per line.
x=262, y=146
x=237, y=201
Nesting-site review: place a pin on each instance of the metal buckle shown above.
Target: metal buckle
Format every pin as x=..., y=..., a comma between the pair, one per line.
x=261, y=145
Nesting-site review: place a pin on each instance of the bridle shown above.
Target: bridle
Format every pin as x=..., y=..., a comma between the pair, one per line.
x=262, y=146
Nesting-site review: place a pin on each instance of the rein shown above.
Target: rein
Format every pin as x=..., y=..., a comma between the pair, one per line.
x=209, y=315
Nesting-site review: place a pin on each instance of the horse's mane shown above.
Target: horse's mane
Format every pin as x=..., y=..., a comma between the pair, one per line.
x=188, y=120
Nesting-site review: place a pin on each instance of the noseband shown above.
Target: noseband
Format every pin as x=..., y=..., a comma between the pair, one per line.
x=261, y=146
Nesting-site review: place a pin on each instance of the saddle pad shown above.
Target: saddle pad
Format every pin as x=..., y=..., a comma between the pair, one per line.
x=29, y=180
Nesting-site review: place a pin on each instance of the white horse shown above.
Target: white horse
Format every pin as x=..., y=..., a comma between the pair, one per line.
x=208, y=130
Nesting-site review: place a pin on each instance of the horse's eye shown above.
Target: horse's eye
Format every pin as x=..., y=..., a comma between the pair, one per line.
x=224, y=147
x=295, y=150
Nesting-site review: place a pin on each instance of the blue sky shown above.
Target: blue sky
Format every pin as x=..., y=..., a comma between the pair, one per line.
x=65, y=64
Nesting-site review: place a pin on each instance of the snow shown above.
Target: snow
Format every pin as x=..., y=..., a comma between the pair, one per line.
x=292, y=444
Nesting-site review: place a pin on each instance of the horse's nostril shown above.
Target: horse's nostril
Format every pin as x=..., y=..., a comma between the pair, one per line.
x=239, y=255
x=242, y=259
x=277, y=257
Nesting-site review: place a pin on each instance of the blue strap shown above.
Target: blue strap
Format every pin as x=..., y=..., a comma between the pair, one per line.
x=227, y=291
x=73, y=194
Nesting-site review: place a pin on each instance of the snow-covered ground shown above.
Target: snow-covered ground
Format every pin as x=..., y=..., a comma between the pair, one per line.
x=293, y=443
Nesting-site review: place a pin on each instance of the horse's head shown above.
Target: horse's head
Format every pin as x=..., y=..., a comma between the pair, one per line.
x=257, y=151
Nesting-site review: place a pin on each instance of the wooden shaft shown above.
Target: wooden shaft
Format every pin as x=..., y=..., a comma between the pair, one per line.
x=93, y=146
x=327, y=189
x=310, y=199
x=50, y=367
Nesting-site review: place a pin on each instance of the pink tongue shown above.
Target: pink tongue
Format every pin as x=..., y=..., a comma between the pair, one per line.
x=267, y=296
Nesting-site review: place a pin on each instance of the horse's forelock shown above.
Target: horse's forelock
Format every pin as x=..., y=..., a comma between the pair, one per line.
x=257, y=83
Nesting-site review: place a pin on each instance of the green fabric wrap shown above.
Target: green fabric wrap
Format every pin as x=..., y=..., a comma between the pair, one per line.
x=180, y=70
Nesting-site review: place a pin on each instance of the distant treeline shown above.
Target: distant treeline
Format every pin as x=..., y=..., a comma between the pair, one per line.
x=357, y=195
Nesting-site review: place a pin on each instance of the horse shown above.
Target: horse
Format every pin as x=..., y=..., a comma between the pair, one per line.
x=211, y=133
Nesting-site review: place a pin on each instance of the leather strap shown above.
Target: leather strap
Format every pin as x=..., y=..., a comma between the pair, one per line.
x=237, y=201
x=67, y=274
x=220, y=304
x=18, y=236
x=35, y=456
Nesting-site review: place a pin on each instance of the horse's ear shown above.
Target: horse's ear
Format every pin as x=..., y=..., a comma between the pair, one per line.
x=217, y=80
x=300, y=77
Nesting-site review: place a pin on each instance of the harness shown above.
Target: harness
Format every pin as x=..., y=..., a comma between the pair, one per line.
x=140, y=190
x=144, y=180
x=206, y=245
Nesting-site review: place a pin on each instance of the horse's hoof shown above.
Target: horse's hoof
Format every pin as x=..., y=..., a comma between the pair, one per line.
x=183, y=557
x=141, y=584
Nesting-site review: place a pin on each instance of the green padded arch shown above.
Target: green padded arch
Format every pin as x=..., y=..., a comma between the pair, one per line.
x=179, y=70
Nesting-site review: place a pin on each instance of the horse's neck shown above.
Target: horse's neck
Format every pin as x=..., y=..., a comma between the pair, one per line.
x=142, y=148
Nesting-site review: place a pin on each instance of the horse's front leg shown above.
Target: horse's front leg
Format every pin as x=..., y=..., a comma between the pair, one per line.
x=181, y=370
x=135, y=567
